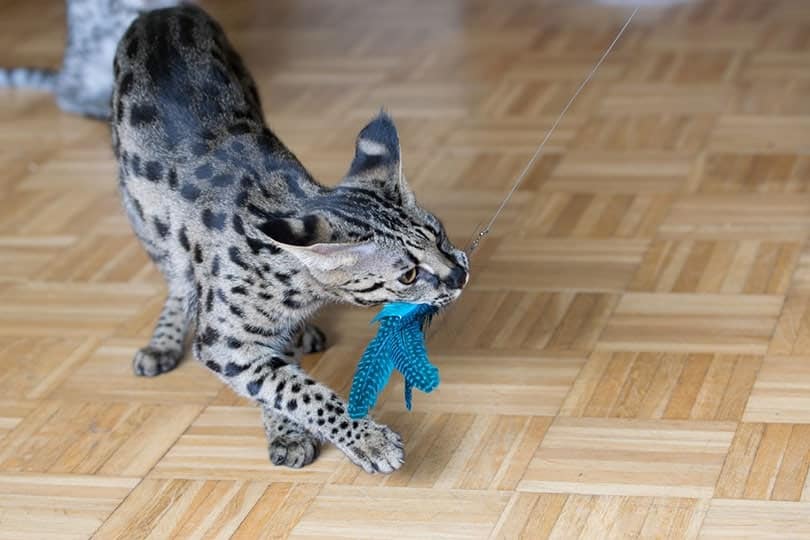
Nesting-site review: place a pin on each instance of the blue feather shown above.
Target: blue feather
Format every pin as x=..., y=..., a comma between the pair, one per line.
x=400, y=344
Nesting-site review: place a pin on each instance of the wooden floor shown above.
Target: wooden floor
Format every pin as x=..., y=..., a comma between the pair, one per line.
x=632, y=358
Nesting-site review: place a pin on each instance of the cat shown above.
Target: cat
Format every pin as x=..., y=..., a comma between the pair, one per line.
x=250, y=245
x=83, y=85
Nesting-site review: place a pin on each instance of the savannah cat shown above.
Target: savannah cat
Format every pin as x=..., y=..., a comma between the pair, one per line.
x=83, y=85
x=251, y=246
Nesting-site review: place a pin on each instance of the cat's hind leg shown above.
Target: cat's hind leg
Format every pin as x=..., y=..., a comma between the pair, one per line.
x=288, y=444
x=166, y=347
x=311, y=339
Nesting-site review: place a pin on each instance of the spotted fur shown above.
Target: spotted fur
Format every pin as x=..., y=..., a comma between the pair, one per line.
x=250, y=244
x=83, y=84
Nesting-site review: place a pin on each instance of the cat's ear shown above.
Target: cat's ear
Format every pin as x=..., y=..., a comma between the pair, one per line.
x=308, y=239
x=377, y=162
x=333, y=262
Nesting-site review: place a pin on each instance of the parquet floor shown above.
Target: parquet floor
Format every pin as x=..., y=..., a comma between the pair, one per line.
x=632, y=358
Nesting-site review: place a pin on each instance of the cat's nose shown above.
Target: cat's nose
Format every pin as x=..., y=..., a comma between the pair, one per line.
x=457, y=278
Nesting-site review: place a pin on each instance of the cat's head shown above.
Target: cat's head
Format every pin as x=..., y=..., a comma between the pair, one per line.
x=368, y=241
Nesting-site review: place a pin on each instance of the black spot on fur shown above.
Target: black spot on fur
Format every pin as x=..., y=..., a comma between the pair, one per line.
x=136, y=164
x=290, y=303
x=222, y=180
x=238, y=226
x=236, y=258
x=237, y=311
x=280, y=386
x=190, y=192
x=292, y=405
x=204, y=171
x=199, y=149
x=213, y=366
x=210, y=336
x=172, y=178
x=254, y=387
x=213, y=220
x=306, y=399
x=142, y=114
x=257, y=330
x=232, y=370
x=221, y=154
x=161, y=228
x=198, y=255
x=239, y=290
x=154, y=171
x=209, y=301
x=184, y=239
x=295, y=388
x=233, y=343
x=257, y=245
x=138, y=207
x=241, y=199
x=215, y=266
x=276, y=363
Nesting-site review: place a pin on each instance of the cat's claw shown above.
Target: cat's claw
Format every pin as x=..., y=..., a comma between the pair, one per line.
x=378, y=450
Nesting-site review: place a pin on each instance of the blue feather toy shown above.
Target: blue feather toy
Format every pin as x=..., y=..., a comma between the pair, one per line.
x=400, y=344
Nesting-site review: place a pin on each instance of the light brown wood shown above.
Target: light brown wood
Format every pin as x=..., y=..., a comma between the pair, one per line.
x=630, y=360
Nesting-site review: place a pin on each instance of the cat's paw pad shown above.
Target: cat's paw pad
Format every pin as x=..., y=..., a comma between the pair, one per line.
x=149, y=362
x=379, y=449
x=294, y=450
x=313, y=340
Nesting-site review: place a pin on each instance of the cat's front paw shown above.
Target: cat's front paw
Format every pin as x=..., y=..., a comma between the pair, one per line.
x=378, y=449
x=294, y=450
x=149, y=362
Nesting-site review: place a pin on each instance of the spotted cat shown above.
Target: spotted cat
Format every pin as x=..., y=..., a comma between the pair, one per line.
x=84, y=83
x=250, y=244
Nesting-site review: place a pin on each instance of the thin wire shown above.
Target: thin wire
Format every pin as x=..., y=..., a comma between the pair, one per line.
x=485, y=231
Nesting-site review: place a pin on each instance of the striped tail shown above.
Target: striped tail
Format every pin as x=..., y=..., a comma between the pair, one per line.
x=34, y=78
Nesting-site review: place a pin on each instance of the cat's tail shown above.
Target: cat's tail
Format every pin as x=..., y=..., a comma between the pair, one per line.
x=34, y=78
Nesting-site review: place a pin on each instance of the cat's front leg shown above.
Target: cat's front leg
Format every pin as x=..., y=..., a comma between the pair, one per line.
x=283, y=388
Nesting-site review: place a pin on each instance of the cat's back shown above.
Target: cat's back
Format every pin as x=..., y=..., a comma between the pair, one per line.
x=179, y=86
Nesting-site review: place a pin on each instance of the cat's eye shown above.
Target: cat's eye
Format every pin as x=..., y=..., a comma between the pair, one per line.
x=409, y=277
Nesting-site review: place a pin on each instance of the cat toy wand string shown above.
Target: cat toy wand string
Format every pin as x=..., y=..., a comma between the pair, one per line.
x=483, y=233
x=480, y=234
